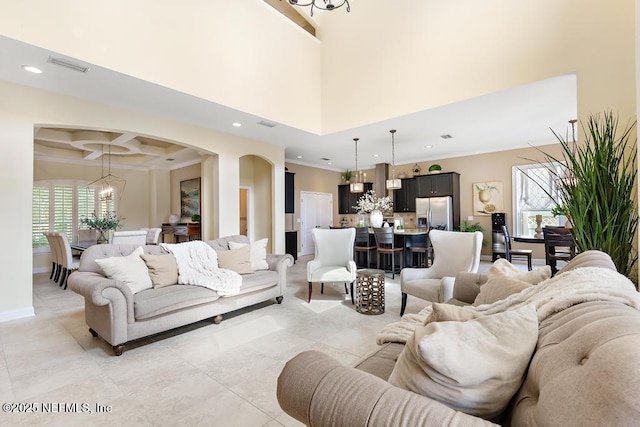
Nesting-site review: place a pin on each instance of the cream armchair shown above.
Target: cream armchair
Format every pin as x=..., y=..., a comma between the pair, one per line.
x=453, y=252
x=333, y=261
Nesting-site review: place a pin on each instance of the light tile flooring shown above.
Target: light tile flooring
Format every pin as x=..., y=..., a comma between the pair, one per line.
x=204, y=374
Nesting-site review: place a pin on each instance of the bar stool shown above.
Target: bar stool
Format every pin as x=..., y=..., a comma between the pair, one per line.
x=385, y=242
x=362, y=245
x=419, y=252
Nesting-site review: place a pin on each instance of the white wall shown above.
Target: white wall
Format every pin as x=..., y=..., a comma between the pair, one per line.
x=30, y=107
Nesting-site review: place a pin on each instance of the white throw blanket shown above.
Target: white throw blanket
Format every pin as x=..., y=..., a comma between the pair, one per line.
x=549, y=297
x=198, y=265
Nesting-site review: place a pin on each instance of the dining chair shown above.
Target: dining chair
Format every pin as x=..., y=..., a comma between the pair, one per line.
x=453, y=252
x=333, y=261
x=68, y=262
x=153, y=235
x=53, y=247
x=386, y=246
x=509, y=252
x=559, y=245
x=130, y=237
x=363, y=245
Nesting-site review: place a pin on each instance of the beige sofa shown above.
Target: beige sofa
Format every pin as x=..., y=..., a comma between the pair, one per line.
x=114, y=313
x=585, y=371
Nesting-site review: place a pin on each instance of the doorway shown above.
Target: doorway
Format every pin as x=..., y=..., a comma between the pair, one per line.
x=316, y=211
x=245, y=201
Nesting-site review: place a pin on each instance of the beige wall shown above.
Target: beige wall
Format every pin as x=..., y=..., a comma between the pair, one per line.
x=241, y=53
x=430, y=53
x=255, y=173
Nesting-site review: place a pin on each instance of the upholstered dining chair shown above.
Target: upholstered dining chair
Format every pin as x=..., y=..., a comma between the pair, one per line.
x=68, y=262
x=153, y=235
x=333, y=261
x=55, y=257
x=453, y=252
x=132, y=237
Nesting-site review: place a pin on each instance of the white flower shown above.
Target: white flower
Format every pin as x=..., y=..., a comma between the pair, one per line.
x=369, y=202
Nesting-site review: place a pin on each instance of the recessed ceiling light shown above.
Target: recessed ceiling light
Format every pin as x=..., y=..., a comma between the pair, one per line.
x=237, y=124
x=329, y=163
x=375, y=155
x=32, y=69
x=428, y=146
x=298, y=157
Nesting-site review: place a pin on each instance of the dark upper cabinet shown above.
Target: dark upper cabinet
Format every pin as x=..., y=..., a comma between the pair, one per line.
x=347, y=200
x=436, y=185
x=404, y=199
x=289, y=192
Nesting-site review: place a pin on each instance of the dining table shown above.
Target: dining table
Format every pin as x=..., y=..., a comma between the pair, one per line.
x=528, y=239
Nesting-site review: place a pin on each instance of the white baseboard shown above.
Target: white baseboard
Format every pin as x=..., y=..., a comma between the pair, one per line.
x=17, y=314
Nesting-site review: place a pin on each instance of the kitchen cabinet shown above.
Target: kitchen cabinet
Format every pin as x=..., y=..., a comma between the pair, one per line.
x=347, y=200
x=404, y=199
x=437, y=185
x=289, y=193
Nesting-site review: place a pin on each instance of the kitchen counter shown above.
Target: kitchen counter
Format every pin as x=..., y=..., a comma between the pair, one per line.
x=408, y=231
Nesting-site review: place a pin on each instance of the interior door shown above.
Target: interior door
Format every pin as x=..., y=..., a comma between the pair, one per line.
x=316, y=211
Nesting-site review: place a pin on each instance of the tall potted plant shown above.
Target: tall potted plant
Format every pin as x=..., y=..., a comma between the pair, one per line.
x=597, y=189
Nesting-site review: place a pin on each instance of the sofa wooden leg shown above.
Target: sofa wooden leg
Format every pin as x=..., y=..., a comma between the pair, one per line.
x=92, y=332
x=279, y=299
x=404, y=303
x=118, y=349
x=217, y=319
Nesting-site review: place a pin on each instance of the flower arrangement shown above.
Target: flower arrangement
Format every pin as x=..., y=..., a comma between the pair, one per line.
x=109, y=221
x=370, y=202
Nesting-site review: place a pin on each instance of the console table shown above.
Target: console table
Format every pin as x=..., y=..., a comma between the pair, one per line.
x=182, y=231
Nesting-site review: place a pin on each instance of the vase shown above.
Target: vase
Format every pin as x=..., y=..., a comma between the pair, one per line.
x=102, y=236
x=375, y=218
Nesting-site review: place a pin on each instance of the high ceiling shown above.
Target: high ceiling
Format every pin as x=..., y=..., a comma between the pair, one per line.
x=514, y=118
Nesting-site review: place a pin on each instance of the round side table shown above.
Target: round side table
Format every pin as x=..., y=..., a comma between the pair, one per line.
x=370, y=291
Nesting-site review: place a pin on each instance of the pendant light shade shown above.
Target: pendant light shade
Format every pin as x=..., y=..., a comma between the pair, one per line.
x=356, y=187
x=109, y=187
x=393, y=183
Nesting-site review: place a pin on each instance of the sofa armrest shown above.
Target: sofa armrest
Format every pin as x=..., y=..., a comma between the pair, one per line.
x=279, y=262
x=97, y=288
x=408, y=274
x=317, y=390
x=446, y=289
x=467, y=286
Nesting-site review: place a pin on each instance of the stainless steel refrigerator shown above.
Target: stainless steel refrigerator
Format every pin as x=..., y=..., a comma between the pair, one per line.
x=435, y=212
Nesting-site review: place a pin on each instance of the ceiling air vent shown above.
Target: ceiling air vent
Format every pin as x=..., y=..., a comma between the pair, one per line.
x=68, y=64
x=446, y=136
x=267, y=124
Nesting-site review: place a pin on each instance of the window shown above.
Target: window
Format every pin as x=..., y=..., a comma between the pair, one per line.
x=59, y=206
x=532, y=185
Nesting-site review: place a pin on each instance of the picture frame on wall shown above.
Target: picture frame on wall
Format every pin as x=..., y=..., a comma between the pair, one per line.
x=190, y=197
x=487, y=197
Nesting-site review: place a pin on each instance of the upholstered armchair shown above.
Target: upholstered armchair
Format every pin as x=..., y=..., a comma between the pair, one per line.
x=333, y=260
x=453, y=252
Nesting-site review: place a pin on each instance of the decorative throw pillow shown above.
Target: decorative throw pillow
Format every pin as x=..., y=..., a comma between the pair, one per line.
x=163, y=269
x=498, y=288
x=447, y=312
x=502, y=267
x=258, y=253
x=475, y=366
x=505, y=279
x=130, y=269
x=238, y=260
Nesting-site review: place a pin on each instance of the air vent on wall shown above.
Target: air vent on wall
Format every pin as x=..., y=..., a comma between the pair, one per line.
x=68, y=64
x=267, y=124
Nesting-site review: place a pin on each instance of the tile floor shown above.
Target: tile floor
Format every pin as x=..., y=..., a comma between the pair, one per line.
x=204, y=374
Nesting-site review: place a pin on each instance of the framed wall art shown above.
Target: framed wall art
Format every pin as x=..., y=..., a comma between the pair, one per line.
x=487, y=198
x=190, y=197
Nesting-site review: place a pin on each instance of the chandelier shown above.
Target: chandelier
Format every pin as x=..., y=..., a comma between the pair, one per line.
x=108, y=186
x=356, y=187
x=393, y=183
x=322, y=4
